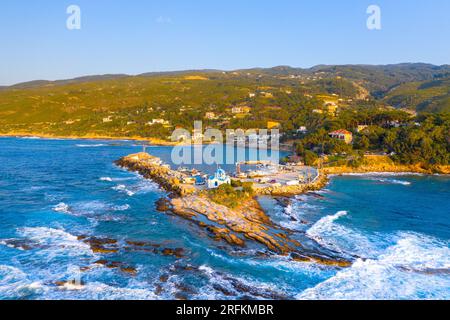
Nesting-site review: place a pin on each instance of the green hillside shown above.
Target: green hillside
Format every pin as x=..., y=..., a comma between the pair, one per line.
x=428, y=96
x=322, y=99
x=129, y=103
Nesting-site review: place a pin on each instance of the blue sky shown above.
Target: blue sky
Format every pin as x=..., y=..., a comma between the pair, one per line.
x=137, y=36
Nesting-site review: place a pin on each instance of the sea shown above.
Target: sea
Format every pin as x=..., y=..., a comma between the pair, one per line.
x=394, y=228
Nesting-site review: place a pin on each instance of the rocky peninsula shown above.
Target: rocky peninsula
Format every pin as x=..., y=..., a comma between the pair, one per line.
x=237, y=226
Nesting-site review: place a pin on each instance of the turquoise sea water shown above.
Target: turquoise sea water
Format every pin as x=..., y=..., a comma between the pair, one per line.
x=396, y=230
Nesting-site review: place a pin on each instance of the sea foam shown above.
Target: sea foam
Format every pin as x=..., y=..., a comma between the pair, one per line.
x=412, y=268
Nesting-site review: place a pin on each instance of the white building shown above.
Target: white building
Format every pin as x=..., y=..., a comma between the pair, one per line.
x=159, y=121
x=302, y=129
x=219, y=178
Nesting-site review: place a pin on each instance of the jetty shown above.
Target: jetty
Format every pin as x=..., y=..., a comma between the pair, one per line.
x=233, y=225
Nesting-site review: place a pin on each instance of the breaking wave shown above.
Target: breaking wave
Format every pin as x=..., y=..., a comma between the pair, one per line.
x=415, y=267
x=55, y=242
x=392, y=181
x=91, y=145
x=14, y=284
x=339, y=238
x=123, y=188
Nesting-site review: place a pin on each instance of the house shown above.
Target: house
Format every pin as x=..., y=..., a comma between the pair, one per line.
x=210, y=115
x=159, y=121
x=107, y=119
x=361, y=128
x=240, y=109
x=252, y=95
x=302, y=130
x=219, y=178
x=342, y=135
x=318, y=111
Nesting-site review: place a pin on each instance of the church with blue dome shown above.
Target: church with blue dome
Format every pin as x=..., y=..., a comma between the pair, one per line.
x=219, y=178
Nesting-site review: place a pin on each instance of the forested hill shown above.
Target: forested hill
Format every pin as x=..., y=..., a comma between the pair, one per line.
x=122, y=105
x=429, y=96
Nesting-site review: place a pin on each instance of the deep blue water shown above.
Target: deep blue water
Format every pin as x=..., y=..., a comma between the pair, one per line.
x=52, y=191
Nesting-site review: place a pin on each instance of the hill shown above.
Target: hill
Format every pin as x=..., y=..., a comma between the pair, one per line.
x=153, y=104
x=426, y=96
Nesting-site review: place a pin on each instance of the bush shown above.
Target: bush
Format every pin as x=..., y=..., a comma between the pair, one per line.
x=230, y=197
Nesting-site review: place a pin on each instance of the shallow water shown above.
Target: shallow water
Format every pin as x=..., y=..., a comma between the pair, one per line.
x=396, y=228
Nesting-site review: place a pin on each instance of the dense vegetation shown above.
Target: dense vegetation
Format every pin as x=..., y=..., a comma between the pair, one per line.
x=424, y=140
x=231, y=195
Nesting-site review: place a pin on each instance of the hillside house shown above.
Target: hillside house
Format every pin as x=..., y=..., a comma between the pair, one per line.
x=240, y=110
x=302, y=130
x=158, y=121
x=342, y=135
x=361, y=128
x=210, y=116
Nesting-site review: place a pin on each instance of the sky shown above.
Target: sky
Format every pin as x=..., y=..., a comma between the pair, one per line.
x=137, y=36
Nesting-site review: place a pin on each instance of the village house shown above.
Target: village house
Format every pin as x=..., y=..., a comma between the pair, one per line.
x=210, y=116
x=342, y=135
x=158, y=121
x=108, y=119
x=240, y=109
x=361, y=128
x=302, y=130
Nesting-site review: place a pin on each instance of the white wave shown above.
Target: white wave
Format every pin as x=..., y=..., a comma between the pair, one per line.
x=145, y=186
x=142, y=187
x=379, y=174
x=62, y=207
x=108, y=179
x=123, y=188
x=341, y=239
x=93, y=210
x=392, y=181
x=293, y=215
x=101, y=291
x=121, y=208
x=280, y=263
x=231, y=283
x=405, y=270
x=91, y=145
x=14, y=284
x=56, y=242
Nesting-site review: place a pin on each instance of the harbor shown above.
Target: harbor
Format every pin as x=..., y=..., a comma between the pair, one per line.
x=266, y=178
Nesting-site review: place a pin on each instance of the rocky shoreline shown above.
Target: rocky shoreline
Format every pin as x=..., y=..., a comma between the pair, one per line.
x=382, y=164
